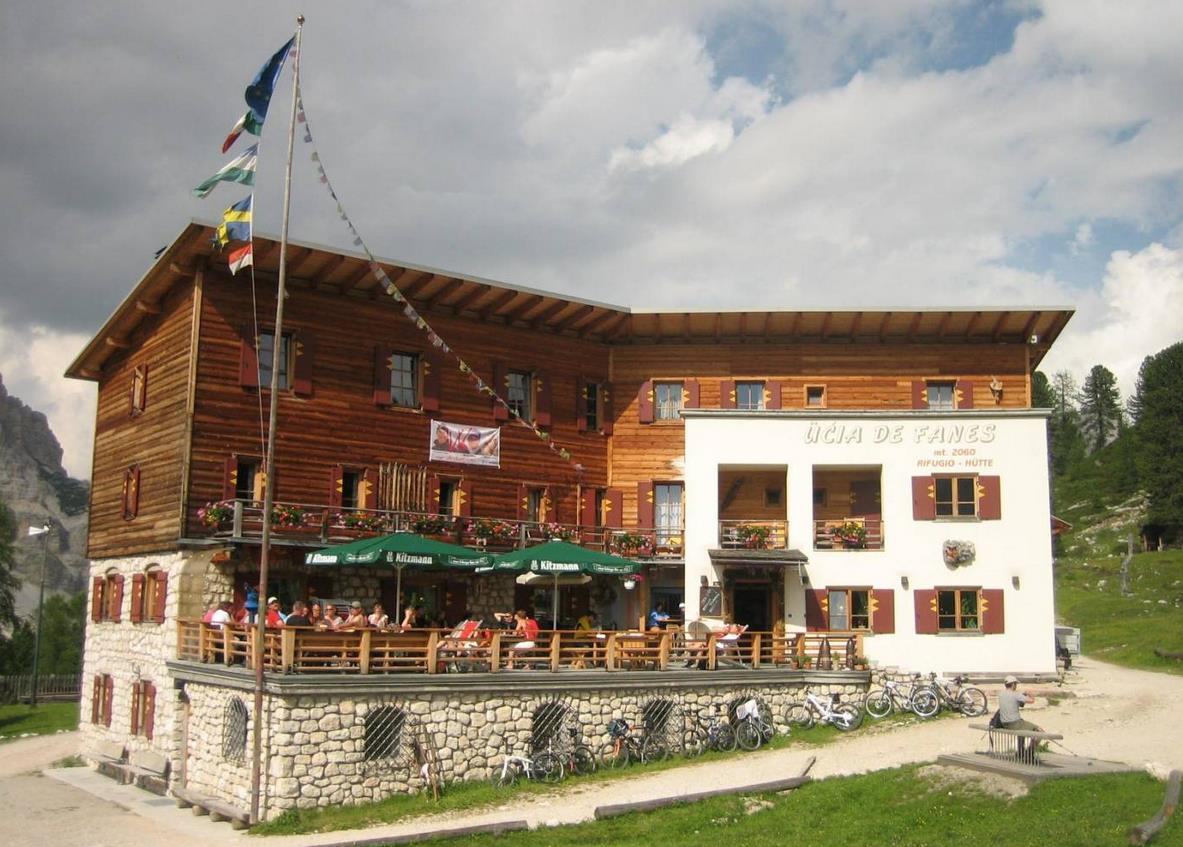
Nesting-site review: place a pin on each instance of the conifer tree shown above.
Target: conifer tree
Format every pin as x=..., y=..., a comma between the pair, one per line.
x=1158, y=432
x=1100, y=408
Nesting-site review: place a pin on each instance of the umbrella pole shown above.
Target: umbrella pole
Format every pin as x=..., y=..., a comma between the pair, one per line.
x=398, y=595
x=554, y=617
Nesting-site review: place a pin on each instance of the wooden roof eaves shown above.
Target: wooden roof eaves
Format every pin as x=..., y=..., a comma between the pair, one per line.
x=540, y=320
x=605, y=319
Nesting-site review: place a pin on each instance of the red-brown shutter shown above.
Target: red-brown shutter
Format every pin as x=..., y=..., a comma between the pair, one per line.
x=464, y=498
x=883, y=611
x=161, y=578
x=924, y=502
x=541, y=384
x=380, y=387
x=690, y=394
x=523, y=511
x=645, y=402
x=149, y=696
x=368, y=491
x=645, y=504
x=432, y=367
x=139, y=380
x=96, y=698
x=108, y=698
x=433, y=494
x=581, y=399
x=772, y=395
x=963, y=394
x=990, y=498
x=587, y=508
x=606, y=409
x=135, y=708
x=304, y=343
x=919, y=394
x=612, y=516
x=926, y=611
x=817, y=609
x=137, y=598
x=501, y=386
x=116, y=611
x=248, y=359
x=96, y=599
x=992, y=611
x=336, y=486
x=727, y=394
x=131, y=492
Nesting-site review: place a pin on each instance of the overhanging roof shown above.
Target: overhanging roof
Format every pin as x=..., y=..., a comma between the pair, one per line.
x=438, y=292
x=759, y=558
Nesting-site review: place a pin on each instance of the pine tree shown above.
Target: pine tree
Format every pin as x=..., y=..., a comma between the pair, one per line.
x=1067, y=445
x=1158, y=433
x=1100, y=408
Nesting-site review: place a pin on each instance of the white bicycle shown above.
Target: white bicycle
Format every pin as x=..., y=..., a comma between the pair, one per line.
x=825, y=710
x=544, y=766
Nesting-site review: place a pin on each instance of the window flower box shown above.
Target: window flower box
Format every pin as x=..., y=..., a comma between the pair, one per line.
x=361, y=521
x=631, y=544
x=753, y=536
x=849, y=534
x=558, y=532
x=215, y=514
x=492, y=531
x=432, y=525
x=287, y=516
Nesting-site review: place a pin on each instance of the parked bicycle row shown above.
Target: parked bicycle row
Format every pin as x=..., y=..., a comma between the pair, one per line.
x=925, y=698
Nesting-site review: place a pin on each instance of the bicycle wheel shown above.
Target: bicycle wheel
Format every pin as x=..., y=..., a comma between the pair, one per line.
x=747, y=735
x=582, y=760
x=654, y=750
x=800, y=715
x=506, y=774
x=549, y=767
x=878, y=703
x=847, y=717
x=925, y=702
x=614, y=753
x=696, y=743
x=972, y=702
x=725, y=740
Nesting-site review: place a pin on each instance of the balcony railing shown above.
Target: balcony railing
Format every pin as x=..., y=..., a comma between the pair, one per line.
x=322, y=525
x=857, y=533
x=370, y=651
x=742, y=534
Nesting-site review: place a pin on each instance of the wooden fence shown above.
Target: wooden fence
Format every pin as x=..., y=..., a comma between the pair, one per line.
x=19, y=688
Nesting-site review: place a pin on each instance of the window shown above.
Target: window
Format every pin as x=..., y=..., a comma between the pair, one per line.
x=447, y=505
x=102, y=697
x=139, y=390
x=815, y=396
x=518, y=393
x=130, y=496
x=384, y=732
x=819, y=496
x=535, y=504
x=148, y=592
x=350, y=489
x=590, y=406
x=267, y=353
x=667, y=397
x=248, y=480
x=234, y=723
x=106, y=602
x=667, y=501
x=404, y=389
x=749, y=395
x=957, y=609
x=143, y=708
x=940, y=396
x=771, y=497
x=956, y=496
x=850, y=608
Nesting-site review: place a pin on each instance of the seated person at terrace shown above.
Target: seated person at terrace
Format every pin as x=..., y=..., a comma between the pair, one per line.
x=357, y=616
x=332, y=619
x=658, y=617
x=412, y=618
x=378, y=619
x=299, y=615
x=275, y=617
x=527, y=628
x=315, y=615
x=589, y=621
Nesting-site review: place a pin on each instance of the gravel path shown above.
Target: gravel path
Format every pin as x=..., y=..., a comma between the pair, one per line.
x=1103, y=711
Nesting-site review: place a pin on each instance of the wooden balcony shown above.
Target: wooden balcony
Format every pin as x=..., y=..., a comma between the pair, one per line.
x=743, y=534
x=368, y=651
x=828, y=535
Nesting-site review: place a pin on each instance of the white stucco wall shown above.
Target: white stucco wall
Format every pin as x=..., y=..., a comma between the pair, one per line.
x=1011, y=445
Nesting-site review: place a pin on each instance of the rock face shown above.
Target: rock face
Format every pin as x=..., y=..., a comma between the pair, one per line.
x=36, y=489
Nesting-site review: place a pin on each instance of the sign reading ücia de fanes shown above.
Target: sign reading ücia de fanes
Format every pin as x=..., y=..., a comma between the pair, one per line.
x=845, y=433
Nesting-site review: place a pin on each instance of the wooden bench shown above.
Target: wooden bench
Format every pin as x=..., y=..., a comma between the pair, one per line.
x=218, y=810
x=145, y=769
x=1015, y=745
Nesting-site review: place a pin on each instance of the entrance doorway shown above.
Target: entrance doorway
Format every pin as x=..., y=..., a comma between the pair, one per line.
x=750, y=605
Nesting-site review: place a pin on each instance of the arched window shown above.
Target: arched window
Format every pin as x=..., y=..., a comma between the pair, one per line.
x=234, y=722
x=384, y=732
x=551, y=720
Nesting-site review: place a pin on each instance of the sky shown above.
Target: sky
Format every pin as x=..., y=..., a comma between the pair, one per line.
x=674, y=155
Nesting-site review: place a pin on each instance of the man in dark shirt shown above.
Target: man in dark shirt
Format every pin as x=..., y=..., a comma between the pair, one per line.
x=299, y=615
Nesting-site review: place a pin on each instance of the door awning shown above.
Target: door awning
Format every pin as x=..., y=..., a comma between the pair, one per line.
x=758, y=558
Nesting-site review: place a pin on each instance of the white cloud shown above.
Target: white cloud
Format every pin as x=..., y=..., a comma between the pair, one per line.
x=1083, y=239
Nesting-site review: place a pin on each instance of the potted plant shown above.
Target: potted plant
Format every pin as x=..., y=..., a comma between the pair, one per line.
x=631, y=544
x=431, y=524
x=557, y=532
x=213, y=514
x=849, y=534
x=364, y=521
x=753, y=536
x=287, y=515
x=491, y=531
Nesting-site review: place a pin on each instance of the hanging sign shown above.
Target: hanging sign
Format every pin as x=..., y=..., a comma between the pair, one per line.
x=465, y=444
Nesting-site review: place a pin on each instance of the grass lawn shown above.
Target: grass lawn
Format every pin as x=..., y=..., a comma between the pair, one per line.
x=896, y=807
x=46, y=718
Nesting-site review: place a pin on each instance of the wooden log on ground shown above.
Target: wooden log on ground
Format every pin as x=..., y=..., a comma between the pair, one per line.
x=603, y=812
x=1143, y=832
x=1163, y=654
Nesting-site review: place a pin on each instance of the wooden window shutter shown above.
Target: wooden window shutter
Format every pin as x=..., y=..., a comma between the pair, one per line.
x=96, y=599
x=612, y=514
x=108, y=698
x=926, y=611
x=645, y=402
x=149, y=705
x=135, y=708
x=432, y=365
x=549, y=513
x=116, y=611
x=990, y=498
x=161, y=578
x=381, y=383
x=367, y=495
x=304, y=345
x=580, y=404
x=96, y=698
x=501, y=386
x=131, y=492
x=883, y=611
x=924, y=502
x=433, y=494
x=991, y=610
x=645, y=504
x=541, y=385
x=523, y=511
x=587, y=508
x=817, y=609
x=464, y=498
x=137, y=598
x=336, y=486
x=772, y=395
x=963, y=394
x=138, y=395
x=919, y=394
x=606, y=416
x=690, y=394
x=229, y=477
x=727, y=394
x=248, y=358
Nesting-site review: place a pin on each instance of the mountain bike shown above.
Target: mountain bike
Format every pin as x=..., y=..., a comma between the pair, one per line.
x=956, y=695
x=710, y=733
x=753, y=727
x=545, y=766
x=816, y=709
x=625, y=746
x=894, y=697
x=577, y=757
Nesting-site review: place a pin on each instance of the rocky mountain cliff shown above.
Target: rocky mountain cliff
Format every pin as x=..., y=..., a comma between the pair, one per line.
x=37, y=490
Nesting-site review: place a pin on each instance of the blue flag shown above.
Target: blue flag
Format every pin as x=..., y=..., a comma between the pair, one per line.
x=258, y=93
x=236, y=222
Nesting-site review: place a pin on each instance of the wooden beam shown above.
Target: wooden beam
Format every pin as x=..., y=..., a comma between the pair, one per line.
x=147, y=308
x=793, y=327
x=478, y=291
x=1029, y=327
x=182, y=270
x=622, y=319
x=915, y=326
x=355, y=278
x=573, y=318
x=592, y=327
x=686, y=325
x=825, y=330
x=973, y=323
x=416, y=282
x=546, y=314
x=994, y=333
x=943, y=324
x=444, y=290
x=518, y=312
x=497, y=303
x=117, y=343
x=332, y=262
x=855, y=324
x=718, y=321
x=883, y=325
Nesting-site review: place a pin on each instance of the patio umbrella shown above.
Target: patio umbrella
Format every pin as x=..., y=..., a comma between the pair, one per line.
x=402, y=549
x=559, y=559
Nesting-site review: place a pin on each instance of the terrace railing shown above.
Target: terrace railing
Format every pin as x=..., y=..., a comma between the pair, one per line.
x=828, y=535
x=744, y=534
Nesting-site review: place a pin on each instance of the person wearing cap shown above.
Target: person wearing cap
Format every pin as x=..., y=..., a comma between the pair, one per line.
x=357, y=616
x=1010, y=701
x=275, y=617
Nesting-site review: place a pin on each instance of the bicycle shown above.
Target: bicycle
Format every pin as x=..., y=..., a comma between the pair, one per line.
x=892, y=697
x=816, y=709
x=624, y=746
x=955, y=695
x=576, y=757
x=544, y=766
x=752, y=728
x=711, y=733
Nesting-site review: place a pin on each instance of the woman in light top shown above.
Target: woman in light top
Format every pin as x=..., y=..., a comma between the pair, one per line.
x=378, y=619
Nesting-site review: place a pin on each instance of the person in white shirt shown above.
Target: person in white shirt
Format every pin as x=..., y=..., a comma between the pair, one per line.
x=221, y=615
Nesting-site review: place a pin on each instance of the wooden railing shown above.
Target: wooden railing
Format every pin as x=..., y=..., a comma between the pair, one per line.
x=824, y=538
x=743, y=534
x=368, y=651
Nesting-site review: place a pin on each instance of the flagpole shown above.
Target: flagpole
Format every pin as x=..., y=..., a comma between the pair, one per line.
x=269, y=462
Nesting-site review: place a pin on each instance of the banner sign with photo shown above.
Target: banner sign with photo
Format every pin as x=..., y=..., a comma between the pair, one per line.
x=465, y=444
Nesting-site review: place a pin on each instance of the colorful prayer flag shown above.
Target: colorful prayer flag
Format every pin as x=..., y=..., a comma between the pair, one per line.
x=241, y=170
x=236, y=222
x=240, y=257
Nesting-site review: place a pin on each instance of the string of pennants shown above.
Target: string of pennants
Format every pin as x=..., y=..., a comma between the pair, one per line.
x=408, y=310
